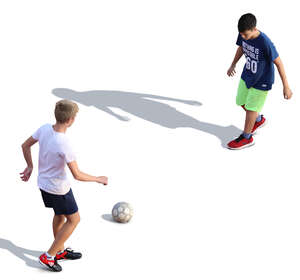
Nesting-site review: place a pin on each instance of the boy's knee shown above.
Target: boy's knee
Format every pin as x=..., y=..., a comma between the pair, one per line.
x=60, y=218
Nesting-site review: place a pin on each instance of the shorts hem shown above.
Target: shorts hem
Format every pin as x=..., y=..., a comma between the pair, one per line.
x=253, y=109
x=64, y=213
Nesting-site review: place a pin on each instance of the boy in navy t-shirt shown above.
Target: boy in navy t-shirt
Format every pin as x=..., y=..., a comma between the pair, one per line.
x=257, y=77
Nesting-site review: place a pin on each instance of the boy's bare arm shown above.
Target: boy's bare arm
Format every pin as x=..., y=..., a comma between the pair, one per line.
x=27, y=151
x=238, y=55
x=81, y=176
x=286, y=89
x=26, y=147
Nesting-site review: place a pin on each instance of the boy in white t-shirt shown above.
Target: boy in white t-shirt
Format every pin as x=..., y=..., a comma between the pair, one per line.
x=55, y=152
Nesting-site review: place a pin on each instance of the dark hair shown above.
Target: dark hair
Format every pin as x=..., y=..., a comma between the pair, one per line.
x=246, y=22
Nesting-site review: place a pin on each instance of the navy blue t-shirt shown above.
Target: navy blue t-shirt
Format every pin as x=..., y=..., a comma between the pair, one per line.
x=259, y=69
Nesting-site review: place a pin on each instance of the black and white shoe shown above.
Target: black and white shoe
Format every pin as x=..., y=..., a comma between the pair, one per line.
x=68, y=254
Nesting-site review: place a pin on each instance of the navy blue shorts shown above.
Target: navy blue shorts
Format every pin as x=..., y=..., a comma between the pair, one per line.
x=61, y=204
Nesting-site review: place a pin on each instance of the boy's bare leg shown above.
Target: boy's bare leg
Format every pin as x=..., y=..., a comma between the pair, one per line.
x=250, y=121
x=58, y=222
x=64, y=233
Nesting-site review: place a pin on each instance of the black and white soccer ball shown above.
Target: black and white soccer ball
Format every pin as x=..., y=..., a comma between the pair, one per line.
x=122, y=212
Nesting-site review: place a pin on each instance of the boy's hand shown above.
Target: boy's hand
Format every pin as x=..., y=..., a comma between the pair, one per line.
x=25, y=175
x=231, y=71
x=287, y=93
x=102, y=180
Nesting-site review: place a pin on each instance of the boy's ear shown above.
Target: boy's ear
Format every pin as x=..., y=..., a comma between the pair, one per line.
x=70, y=121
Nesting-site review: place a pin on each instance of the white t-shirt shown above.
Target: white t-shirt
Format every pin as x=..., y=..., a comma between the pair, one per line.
x=55, y=152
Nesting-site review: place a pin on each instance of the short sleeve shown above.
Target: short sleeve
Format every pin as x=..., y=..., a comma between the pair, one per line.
x=68, y=152
x=239, y=40
x=271, y=50
x=36, y=135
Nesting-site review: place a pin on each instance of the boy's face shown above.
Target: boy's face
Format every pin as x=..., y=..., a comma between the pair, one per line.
x=248, y=34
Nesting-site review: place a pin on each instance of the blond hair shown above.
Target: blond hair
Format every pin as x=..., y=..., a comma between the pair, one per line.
x=65, y=110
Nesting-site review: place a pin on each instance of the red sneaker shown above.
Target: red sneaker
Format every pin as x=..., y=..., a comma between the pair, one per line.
x=259, y=124
x=240, y=143
x=49, y=263
x=68, y=254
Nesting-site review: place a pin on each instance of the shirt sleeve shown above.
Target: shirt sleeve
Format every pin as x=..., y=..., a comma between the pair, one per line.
x=67, y=152
x=271, y=50
x=36, y=135
x=239, y=40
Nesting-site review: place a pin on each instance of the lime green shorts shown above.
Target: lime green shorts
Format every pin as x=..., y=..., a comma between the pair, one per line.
x=253, y=99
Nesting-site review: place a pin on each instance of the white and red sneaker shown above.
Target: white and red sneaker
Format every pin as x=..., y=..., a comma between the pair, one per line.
x=240, y=143
x=259, y=124
x=50, y=263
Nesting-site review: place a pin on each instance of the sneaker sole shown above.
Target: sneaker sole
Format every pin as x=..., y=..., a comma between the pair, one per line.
x=259, y=127
x=240, y=148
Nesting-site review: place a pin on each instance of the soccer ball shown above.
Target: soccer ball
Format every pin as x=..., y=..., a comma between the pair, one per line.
x=122, y=212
